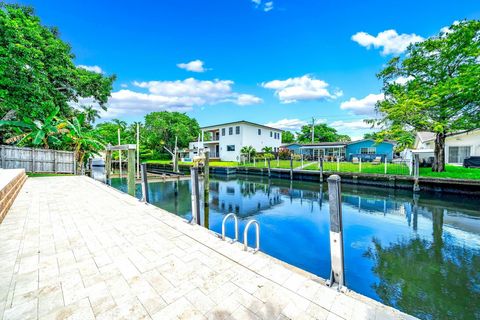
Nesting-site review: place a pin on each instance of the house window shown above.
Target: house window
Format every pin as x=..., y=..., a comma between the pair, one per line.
x=230, y=130
x=368, y=150
x=458, y=154
x=259, y=132
x=237, y=130
x=271, y=134
x=223, y=131
x=231, y=147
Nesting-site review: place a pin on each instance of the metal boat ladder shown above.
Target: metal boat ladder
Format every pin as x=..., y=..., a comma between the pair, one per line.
x=257, y=233
x=236, y=226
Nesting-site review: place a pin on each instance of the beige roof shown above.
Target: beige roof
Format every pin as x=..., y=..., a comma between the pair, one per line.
x=426, y=135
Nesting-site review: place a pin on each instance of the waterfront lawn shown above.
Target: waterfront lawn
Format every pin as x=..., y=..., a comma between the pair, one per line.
x=282, y=164
x=453, y=172
x=367, y=167
x=212, y=163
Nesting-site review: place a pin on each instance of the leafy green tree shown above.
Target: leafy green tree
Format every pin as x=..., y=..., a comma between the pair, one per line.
x=439, y=91
x=322, y=133
x=161, y=128
x=85, y=143
x=405, y=139
x=287, y=137
x=31, y=132
x=37, y=73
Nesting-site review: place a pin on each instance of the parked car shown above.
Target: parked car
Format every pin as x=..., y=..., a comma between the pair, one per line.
x=471, y=162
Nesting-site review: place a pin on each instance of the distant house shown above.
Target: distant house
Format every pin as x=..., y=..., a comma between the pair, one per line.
x=292, y=147
x=227, y=139
x=458, y=146
x=366, y=149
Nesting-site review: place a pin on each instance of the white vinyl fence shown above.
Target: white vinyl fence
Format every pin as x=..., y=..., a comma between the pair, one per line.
x=37, y=160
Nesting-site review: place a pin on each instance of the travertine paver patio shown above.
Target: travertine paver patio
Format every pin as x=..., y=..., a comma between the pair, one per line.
x=72, y=248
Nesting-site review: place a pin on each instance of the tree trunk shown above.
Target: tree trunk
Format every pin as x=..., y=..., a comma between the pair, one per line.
x=439, y=162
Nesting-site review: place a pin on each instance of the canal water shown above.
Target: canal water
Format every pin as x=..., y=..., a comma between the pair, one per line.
x=417, y=253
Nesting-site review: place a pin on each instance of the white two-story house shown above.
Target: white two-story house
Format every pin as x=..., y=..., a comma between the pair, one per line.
x=226, y=140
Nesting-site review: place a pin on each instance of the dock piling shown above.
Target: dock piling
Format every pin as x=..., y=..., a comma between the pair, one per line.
x=337, y=276
x=145, y=197
x=195, y=196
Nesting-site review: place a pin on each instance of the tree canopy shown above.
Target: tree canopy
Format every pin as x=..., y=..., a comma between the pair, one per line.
x=322, y=133
x=434, y=86
x=37, y=72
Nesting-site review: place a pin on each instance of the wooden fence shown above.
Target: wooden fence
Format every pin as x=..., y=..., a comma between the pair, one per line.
x=37, y=160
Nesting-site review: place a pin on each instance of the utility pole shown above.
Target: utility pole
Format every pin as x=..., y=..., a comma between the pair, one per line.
x=119, y=153
x=313, y=129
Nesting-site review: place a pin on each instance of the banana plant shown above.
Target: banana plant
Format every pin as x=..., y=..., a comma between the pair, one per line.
x=36, y=132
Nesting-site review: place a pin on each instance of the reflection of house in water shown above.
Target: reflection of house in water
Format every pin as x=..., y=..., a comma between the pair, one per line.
x=242, y=197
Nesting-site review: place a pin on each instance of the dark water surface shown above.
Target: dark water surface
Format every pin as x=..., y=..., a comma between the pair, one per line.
x=418, y=253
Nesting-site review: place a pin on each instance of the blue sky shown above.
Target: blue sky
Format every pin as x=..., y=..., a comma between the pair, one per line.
x=273, y=62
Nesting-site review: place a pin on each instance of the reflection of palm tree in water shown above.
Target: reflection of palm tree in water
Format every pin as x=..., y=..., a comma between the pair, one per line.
x=430, y=280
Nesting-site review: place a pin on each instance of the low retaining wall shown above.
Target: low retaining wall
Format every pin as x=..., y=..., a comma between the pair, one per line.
x=458, y=186
x=11, y=181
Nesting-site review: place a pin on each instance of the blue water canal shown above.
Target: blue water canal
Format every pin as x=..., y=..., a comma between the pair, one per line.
x=418, y=253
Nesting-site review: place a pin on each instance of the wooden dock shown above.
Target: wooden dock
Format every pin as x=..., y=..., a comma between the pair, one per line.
x=73, y=248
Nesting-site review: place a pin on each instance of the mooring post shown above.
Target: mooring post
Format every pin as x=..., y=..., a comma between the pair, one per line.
x=268, y=168
x=206, y=190
x=337, y=276
x=131, y=170
x=291, y=167
x=416, y=172
x=320, y=162
x=108, y=164
x=206, y=178
x=195, y=195
x=145, y=197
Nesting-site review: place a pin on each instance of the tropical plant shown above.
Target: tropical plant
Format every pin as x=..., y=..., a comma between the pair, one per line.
x=434, y=86
x=267, y=149
x=36, y=132
x=85, y=143
x=91, y=113
x=248, y=151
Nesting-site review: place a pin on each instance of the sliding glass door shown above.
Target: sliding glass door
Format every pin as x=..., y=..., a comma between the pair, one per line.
x=458, y=154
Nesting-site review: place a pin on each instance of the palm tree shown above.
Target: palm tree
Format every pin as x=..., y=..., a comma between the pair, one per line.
x=248, y=151
x=85, y=143
x=91, y=114
x=267, y=149
x=35, y=131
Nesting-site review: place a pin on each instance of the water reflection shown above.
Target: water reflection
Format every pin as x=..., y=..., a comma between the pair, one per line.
x=418, y=253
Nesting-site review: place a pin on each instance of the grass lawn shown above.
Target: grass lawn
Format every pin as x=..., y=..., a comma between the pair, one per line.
x=283, y=164
x=367, y=167
x=453, y=172
x=212, y=163
x=40, y=174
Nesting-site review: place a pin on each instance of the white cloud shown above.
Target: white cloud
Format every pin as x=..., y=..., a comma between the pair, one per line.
x=403, y=80
x=446, y=29
x=287, y=124
x=389, y=40
x=193, y=66
x=292, y=124
x=265, y=6
x=350, y=125
x=364, y=106
x=268, y=6
x=179, y=95
x=95, y=69
x=124, y=85
x=301, y=88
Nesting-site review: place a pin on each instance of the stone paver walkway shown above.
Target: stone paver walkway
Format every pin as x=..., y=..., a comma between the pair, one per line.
x=72, y=248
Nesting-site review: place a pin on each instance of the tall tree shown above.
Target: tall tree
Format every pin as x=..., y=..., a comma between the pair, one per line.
x=287, y=137
x=322, y=133
x=438, y=90
x=161, y=128
x=37, y=73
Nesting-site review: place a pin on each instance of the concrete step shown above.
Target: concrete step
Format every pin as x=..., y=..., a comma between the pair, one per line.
x=11, y=181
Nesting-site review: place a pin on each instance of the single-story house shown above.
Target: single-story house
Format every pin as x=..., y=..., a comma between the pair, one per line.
x=458, y=146
x=225, y=140
x=366, y=149
x=293, y=147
